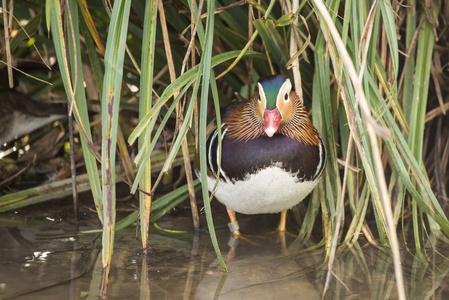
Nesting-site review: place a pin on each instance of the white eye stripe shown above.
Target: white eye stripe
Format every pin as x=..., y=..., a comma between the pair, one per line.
x=285, y=88
x=261, y=93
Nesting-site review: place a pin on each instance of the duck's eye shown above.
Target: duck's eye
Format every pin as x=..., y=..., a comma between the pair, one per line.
x=258, y=99
x=286, y=97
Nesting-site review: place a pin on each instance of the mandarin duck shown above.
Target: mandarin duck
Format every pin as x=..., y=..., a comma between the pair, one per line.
x=272, y=155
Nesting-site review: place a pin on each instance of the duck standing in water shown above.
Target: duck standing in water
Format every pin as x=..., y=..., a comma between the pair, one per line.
x=272, y=155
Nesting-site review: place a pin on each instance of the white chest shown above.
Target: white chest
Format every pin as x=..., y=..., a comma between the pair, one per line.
x=271, y=190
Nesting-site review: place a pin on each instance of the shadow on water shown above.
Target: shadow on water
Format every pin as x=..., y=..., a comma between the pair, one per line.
x=40, y=260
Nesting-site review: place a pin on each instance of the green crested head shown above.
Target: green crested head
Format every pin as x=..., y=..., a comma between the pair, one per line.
x=270, y=87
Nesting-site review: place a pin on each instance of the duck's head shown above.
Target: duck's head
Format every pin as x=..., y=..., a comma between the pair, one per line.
x=275, y=109
x=274, y=103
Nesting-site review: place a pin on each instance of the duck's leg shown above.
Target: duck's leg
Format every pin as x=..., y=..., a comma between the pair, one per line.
x=281, y=231
x=281, y=226
x=233, y=225
x=233, y=240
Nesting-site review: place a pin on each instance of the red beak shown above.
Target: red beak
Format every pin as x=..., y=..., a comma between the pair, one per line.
x=272, y=120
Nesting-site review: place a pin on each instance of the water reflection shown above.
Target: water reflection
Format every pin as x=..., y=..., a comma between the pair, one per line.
x=38, y=261
x=260, y=271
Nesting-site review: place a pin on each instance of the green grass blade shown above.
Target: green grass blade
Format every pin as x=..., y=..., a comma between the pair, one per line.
x=172, y=199
x=161, y=127
x=274, y=43
x=388, y=21
x=181, y=81
x=145, y=103
x=160, y=206
x=182, y=131
x=426, y=40
x=206, y=67
x=43, y=193
x=71, y=69
x=114, y=58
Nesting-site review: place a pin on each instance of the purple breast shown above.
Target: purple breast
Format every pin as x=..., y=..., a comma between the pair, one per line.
x=240, y=158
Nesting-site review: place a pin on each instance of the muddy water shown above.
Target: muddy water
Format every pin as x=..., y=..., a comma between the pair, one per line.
x=40, y=258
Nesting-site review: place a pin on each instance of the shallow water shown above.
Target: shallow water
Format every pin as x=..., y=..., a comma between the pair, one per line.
x=41, y=259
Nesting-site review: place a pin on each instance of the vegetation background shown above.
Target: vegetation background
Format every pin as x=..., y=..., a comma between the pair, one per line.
x=143, y=79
